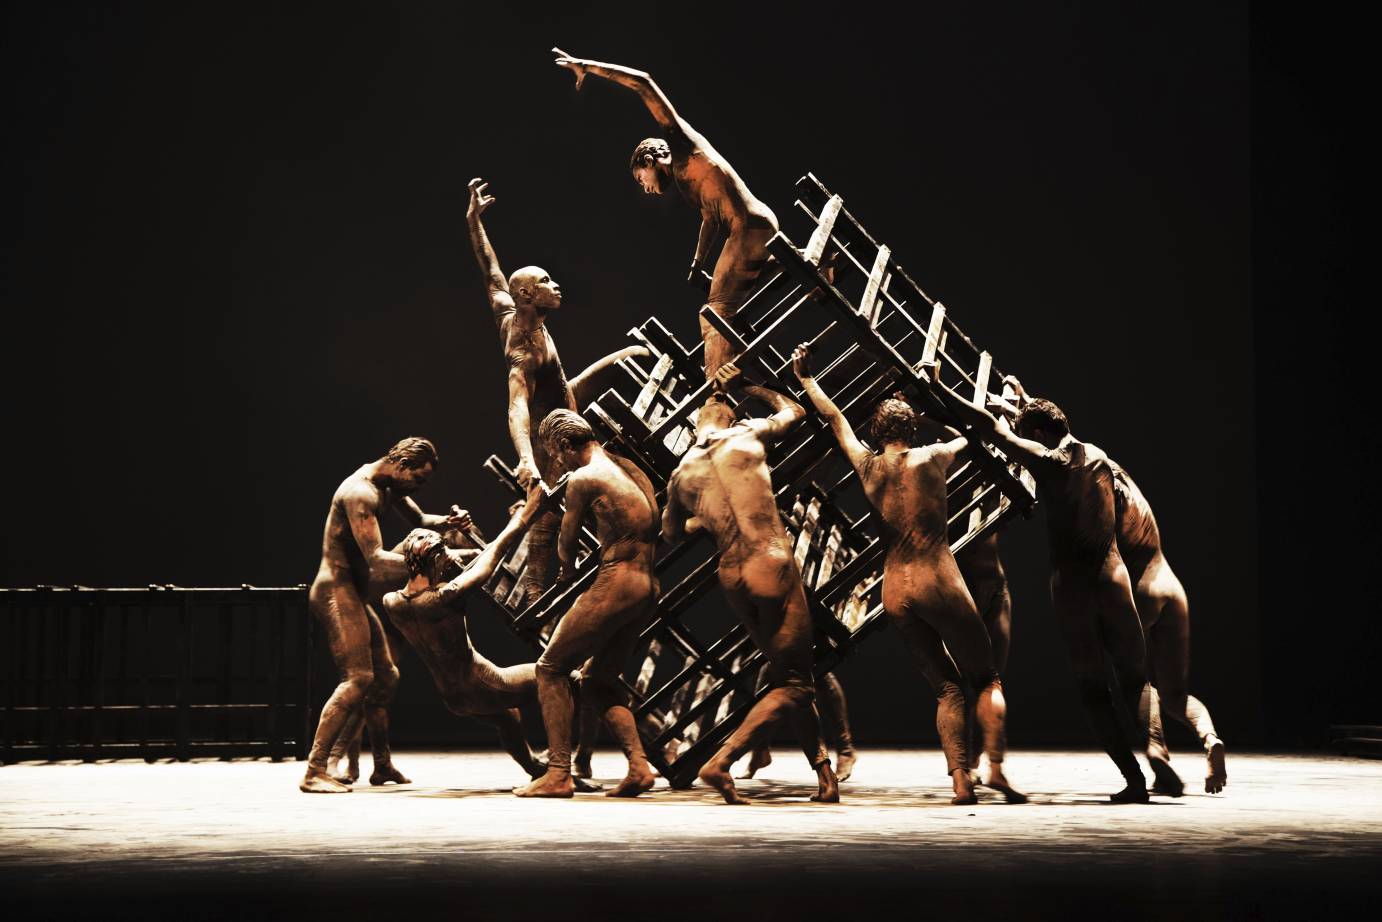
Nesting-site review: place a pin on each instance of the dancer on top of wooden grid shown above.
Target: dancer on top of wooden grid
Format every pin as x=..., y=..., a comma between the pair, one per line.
x=685, y=159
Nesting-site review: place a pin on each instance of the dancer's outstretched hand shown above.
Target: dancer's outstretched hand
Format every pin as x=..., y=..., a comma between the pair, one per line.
x=575, y=65
x=479, y=201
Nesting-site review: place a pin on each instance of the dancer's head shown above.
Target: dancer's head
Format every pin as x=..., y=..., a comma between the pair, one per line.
x=893, y=420
x=531, y=286
x=715, y=414
x=565, y=435
x=409, y=463
x=1043, y=421
x=651, y=164
x=423, y=551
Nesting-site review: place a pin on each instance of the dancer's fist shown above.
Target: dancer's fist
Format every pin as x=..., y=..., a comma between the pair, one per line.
x=526, y=472
x=801, y=362
x=728, y=377
x=575, y=65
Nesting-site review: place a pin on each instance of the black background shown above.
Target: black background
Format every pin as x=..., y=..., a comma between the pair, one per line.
x=235, y=268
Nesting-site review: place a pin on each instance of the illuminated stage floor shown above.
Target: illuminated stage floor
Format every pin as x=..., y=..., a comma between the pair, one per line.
x=236, y=839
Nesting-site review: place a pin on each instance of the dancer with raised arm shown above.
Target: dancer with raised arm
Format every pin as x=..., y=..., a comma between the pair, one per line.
x=723, y=485
x=685, y=159
x=924, y=595
x=353, y=554
x=537, y=382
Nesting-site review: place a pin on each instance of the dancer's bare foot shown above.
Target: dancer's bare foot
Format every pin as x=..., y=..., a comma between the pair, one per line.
x=640, y=779
x=964, y=788
x=343, y=778
x=1218, y=773
x=1165, y=780
x=844, y=764
x=580, y=767
x=1134, y=793
x=999, y=782
x=758, y=759
x=319, y=782
x=721, y=780
x=828, y=786
x=553, y=783
x=586, y=786
x=383, y=774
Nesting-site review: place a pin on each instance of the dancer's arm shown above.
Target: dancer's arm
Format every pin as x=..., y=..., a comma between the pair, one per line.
x=500, y=301
x=479, y=570
x=1027, y=452
x=586, y=380
x=639, y=81
x=854, y=449
x=361, y=506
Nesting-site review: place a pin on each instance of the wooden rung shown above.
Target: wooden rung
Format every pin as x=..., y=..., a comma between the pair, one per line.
x=981, y=379
x=655, y=379
x=880, y=266
x=825, y=224
x=933, y=336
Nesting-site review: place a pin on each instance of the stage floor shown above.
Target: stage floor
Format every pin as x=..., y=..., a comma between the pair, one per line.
x=236, y=839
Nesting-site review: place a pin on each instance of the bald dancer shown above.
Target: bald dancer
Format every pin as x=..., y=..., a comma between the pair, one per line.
x=430, y=612
x=685, y=159
x=604, y=623
x=724, y=487
x=1090, y=589
x=537, y=382
x=352, y=555
x=924, y=595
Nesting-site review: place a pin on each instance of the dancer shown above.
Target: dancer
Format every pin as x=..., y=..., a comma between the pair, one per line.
x=537, y=382
x=923, y=593
x=1164, y=609
x=604, y=623
x=430, y=613
x=1090, y=590
x=685, y=158
x=352, y=555
x=723, y=485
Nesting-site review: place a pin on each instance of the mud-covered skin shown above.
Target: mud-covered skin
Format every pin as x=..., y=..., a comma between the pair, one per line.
x=536, y=379
x=709, y=184
x=352, y=554
x=604, y=623
x=470, y=685
x=924, y=595
x=982, y=569
x=723, y=485
x=834, y=713
x=1164, y=610
x=1090, y=589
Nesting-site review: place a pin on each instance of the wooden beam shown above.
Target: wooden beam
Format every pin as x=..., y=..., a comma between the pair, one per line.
x=981, y=379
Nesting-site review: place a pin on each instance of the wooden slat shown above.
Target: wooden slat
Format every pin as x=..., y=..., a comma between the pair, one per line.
x=933, y=336
x=825, y=224
x=870, y=305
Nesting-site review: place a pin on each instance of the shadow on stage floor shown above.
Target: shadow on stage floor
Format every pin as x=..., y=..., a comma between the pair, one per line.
x=235, y=840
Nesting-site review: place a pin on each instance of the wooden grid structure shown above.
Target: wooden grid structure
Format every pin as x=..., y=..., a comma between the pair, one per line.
x=155, y=673
x=846, y=295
